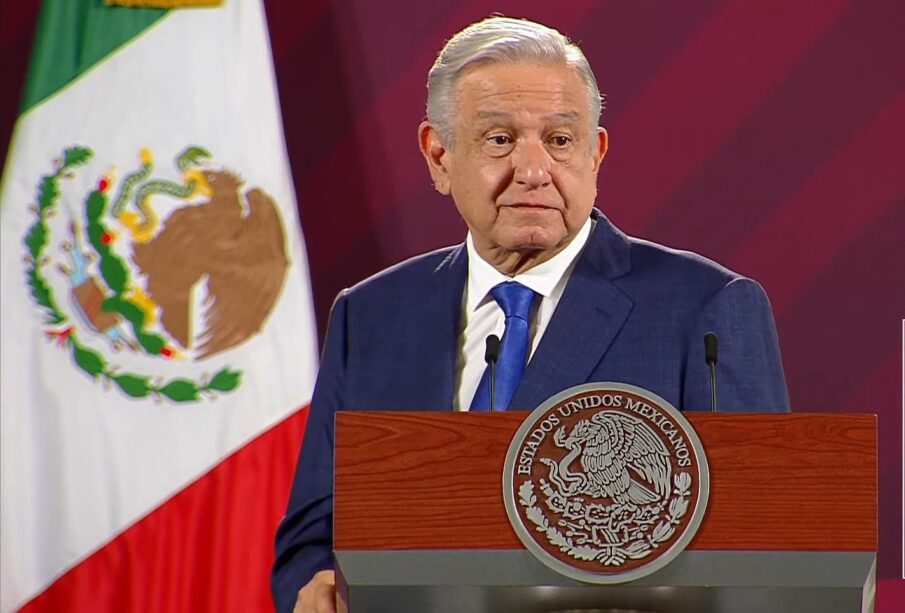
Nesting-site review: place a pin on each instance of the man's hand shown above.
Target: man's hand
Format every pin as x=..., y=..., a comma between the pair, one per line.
x=319, y=595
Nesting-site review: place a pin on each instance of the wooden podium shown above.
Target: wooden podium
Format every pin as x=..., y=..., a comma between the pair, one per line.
x=791, y=525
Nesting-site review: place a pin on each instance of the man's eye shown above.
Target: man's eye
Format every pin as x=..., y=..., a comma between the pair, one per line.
x=499, y=140
x=561, y=141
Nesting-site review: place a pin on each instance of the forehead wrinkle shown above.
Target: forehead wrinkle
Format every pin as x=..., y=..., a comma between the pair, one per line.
x=493, y=115
x=484, y=88
x=502, y=116
x=565, y=117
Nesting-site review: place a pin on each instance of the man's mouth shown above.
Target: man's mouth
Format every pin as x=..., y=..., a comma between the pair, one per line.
x=529, y=206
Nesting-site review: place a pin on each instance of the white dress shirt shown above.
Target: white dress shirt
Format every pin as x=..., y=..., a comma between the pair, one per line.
x=482, y=316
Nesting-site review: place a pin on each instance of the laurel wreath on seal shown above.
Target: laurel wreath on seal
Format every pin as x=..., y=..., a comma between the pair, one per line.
x=115, y=274
x=611, y=555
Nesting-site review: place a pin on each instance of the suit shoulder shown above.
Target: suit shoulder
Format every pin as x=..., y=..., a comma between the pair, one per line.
x=653, y=258
x=406, y=275
x=677, y=277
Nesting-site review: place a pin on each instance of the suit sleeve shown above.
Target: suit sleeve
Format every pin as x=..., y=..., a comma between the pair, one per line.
x=749, y=374
x=304, y=539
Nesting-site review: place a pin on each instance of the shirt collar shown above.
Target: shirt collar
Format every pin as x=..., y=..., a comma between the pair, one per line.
x=543, y=278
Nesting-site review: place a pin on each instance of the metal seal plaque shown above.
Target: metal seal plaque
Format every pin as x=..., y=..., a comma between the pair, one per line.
x=605, y=483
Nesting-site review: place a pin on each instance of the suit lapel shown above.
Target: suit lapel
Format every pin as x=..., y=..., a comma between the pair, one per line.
x=442, y=308
x=589, y=315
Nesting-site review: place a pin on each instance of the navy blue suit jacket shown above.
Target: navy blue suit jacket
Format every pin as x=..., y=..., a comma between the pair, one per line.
x=633, y=312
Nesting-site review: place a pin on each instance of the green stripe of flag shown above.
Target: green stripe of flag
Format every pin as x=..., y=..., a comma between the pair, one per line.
x=74, y=35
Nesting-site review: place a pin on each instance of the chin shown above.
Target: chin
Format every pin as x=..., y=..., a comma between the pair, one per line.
x=533, y=239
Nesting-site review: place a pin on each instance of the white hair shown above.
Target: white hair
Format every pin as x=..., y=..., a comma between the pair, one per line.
x=501, y=40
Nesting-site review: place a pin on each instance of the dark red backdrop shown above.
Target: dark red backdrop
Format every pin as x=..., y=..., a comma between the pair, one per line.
x=769, y=135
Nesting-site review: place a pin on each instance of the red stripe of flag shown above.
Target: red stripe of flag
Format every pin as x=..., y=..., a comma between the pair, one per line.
x=208, y=548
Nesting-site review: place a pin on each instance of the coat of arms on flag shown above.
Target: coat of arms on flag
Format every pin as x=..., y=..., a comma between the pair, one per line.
x=185, y=284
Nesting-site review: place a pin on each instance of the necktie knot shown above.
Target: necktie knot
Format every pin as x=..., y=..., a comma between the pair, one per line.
x=514, y=298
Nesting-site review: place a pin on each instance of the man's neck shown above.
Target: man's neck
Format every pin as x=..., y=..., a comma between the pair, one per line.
x=513, y=263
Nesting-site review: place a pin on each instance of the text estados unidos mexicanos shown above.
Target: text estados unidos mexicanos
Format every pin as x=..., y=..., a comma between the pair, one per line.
x=617, y=401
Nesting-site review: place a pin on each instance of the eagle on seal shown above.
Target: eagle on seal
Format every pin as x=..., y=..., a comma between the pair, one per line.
x=621, y=459
x=235, y=242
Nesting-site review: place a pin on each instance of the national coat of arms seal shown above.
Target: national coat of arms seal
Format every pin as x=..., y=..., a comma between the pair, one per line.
x=149, y=268
x=605, y=483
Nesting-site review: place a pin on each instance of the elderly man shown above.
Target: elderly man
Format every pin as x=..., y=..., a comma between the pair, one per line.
x=512, y=135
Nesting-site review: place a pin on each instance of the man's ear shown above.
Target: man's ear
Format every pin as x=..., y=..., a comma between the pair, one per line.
x=434, y=152
x=603, y=142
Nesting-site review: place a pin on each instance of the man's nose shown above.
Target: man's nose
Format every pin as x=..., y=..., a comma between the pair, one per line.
x=531, y=164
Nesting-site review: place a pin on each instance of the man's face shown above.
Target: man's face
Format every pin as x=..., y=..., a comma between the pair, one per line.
x=523, y=167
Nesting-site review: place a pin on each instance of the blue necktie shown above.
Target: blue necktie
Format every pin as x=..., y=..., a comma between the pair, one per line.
x=515, y=299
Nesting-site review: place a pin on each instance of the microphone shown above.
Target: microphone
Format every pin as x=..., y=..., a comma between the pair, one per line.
x=711, y=351
x=491, y=355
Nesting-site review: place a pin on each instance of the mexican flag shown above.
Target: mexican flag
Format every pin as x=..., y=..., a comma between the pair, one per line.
x=158, y=340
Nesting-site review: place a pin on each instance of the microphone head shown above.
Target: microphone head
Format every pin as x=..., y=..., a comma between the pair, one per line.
x=492, y=349
x=711, y=349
